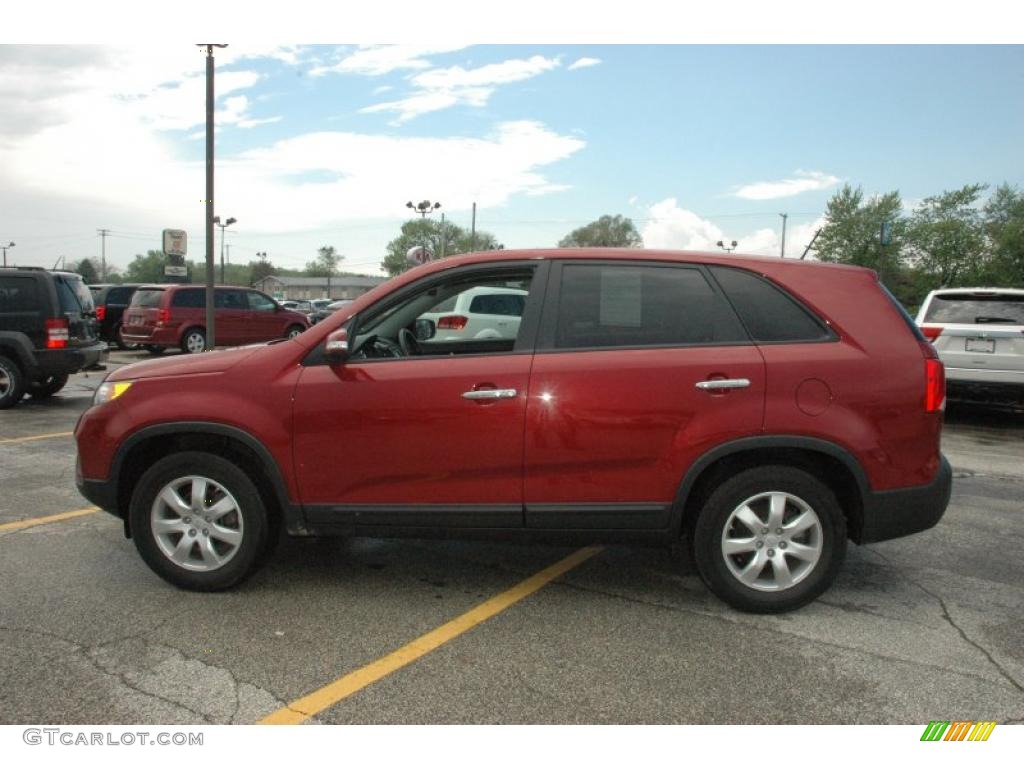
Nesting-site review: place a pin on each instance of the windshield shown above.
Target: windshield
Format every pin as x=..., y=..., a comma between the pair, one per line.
x=996, y=309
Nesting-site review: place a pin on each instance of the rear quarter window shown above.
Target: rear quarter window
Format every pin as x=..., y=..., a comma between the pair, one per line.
x=189, y=298
x=18, y=294
x=498, y=304
x=148, y=299
x=768, y=312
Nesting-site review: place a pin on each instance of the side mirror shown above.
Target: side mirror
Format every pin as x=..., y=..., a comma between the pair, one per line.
x=336, y=346
x=425, y=329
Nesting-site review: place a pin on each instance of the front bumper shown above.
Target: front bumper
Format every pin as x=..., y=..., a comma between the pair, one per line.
x=102, y=493
x=891, y=514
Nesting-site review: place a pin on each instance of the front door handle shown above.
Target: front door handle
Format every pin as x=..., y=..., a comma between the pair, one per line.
x=714, y=384
x=489, y=394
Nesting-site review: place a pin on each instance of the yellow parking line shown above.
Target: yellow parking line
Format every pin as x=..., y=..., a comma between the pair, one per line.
x=33, y=521
x=345, y=686
x=9, y=440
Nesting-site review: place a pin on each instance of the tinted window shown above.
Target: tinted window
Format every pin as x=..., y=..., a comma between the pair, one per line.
x=149, y=298
x=261, y=303
x=73, y=295
x=18, y=294
x=769, y=313
x=190, y=298
x=119, y=295
x=225, y=299
x=498, y=304
x=620, y=306
x=1005, y=309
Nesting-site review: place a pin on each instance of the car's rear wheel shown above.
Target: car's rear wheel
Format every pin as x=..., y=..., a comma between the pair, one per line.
x=770, y=539
x=198, y=521
x=47, y=387
x=193, y=341
x=12, y=383
x=293, y=331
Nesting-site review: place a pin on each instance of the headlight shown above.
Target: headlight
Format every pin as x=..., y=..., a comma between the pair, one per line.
x=110, y=390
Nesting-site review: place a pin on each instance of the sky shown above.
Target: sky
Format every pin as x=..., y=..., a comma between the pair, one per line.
x=324, y=144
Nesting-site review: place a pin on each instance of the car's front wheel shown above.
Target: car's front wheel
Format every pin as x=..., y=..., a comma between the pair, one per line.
x=770, y=539
x=198, y=521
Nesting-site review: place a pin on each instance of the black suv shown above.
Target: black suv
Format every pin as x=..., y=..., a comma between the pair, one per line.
x=47, y=332
x=111, y=301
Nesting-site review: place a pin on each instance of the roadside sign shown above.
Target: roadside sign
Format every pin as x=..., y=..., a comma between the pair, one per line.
x=418, y=254
x=175, y=242
x=885, y=236
x=172, y=270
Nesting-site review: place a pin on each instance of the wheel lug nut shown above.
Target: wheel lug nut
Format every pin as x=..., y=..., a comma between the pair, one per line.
x=205, y=532
x=191, y=531
x=771, y=553
x=764, y=531
x=188, y=520
x=778, y=531
x=760, y=544
x=782, y=545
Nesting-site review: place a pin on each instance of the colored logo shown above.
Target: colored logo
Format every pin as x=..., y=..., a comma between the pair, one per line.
x=958, y=730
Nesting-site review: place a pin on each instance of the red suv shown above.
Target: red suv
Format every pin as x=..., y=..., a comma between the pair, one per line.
x=763, y=410
x=161, y=316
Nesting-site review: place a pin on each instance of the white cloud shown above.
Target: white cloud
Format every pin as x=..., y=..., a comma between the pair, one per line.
x=584, y=62
x=670, y=226
x=445, y=88
x=805, y=181
x=382, y=59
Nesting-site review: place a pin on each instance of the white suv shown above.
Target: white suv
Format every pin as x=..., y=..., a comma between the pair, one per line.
x=979, y=334
x=483, y=312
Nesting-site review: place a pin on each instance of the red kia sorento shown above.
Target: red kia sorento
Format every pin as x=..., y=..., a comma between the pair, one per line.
x=763, y=411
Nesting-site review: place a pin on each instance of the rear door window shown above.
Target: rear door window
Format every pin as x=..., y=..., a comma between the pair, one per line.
x=18, y=294
x=230, y=299
x=970, y=308
x=637, y=306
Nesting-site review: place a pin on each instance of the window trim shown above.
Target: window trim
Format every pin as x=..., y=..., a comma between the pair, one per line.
x=548, y=321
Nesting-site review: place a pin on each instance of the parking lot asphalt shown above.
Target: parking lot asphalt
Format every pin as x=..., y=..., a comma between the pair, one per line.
x=922, y=628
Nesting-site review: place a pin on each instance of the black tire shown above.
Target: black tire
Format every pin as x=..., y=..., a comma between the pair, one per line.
x=12, y=383
x=193, y=341
x=730, y=496
x=154, y=349
x=293, y=331
x=255, y=526
x=47, y=387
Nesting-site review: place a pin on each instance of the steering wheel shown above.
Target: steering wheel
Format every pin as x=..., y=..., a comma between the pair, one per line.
x=386, y=347
x=407, y=341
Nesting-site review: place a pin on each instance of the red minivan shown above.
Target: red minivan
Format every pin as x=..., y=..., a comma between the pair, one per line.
x=162, y=316
x=764, y=411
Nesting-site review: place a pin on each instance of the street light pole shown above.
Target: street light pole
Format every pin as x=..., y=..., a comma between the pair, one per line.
x=784, y=216
x=5, y=247
x=726, y=248
x=210, y=316
x=423, y=208
x=225, y=225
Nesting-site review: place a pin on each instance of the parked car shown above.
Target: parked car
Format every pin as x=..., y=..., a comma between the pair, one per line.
x=162, y=316
x=761, y=410
x=322, y=314
x=47, y=332
x=482, y=312
x=111, y=301
x=979, y=335
x=299, y=305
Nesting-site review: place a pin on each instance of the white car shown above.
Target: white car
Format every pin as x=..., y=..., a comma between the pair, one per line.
x=979, y=335
x=482, y=312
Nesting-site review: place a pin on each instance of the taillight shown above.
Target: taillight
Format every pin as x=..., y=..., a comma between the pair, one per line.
x=452, y=322
x=163, y=316
x=931, y=332
x=57, y=334
x=101, y=313
x=935, y=385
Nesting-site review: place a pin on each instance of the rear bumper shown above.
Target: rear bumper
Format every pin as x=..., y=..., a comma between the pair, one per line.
x=997, y=376
x=57, y=362
x=165, y=337
x=891, y=514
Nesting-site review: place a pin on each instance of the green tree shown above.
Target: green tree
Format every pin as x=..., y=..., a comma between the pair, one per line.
x=607, y=232
x=946, y=237
x=1004, y=230
x=446, y=240
x=146, y=269
x=87, y=270
x=260, y=269
x=325, y=264
x=852, y=232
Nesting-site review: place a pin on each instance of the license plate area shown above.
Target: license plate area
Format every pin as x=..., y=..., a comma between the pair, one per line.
x=980, y=345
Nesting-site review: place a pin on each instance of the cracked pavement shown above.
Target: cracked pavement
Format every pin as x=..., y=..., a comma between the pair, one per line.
x=922, y=628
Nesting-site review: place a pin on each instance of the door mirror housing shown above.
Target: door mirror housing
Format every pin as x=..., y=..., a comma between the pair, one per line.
x=425, y=329
x=336, y=347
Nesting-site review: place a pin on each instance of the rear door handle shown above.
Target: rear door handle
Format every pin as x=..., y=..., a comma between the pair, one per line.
x=714, y=384
x=489, y=394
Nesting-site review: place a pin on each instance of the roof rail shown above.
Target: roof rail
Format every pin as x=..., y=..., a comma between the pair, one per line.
x=15, y=266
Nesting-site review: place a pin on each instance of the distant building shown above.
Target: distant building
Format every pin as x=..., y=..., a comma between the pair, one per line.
x=342, y=286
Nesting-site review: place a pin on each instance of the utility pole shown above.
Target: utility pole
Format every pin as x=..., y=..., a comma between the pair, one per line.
x=784, y=217
x=210, y=316
x=5, y=247
x=472, y=231
x=444, y=239
x=808, y=248
x=103, y=258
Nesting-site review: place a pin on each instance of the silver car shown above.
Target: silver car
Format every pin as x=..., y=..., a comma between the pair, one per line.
x=979, y=335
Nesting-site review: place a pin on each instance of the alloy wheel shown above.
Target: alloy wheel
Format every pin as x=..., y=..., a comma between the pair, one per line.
x=197, y=523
